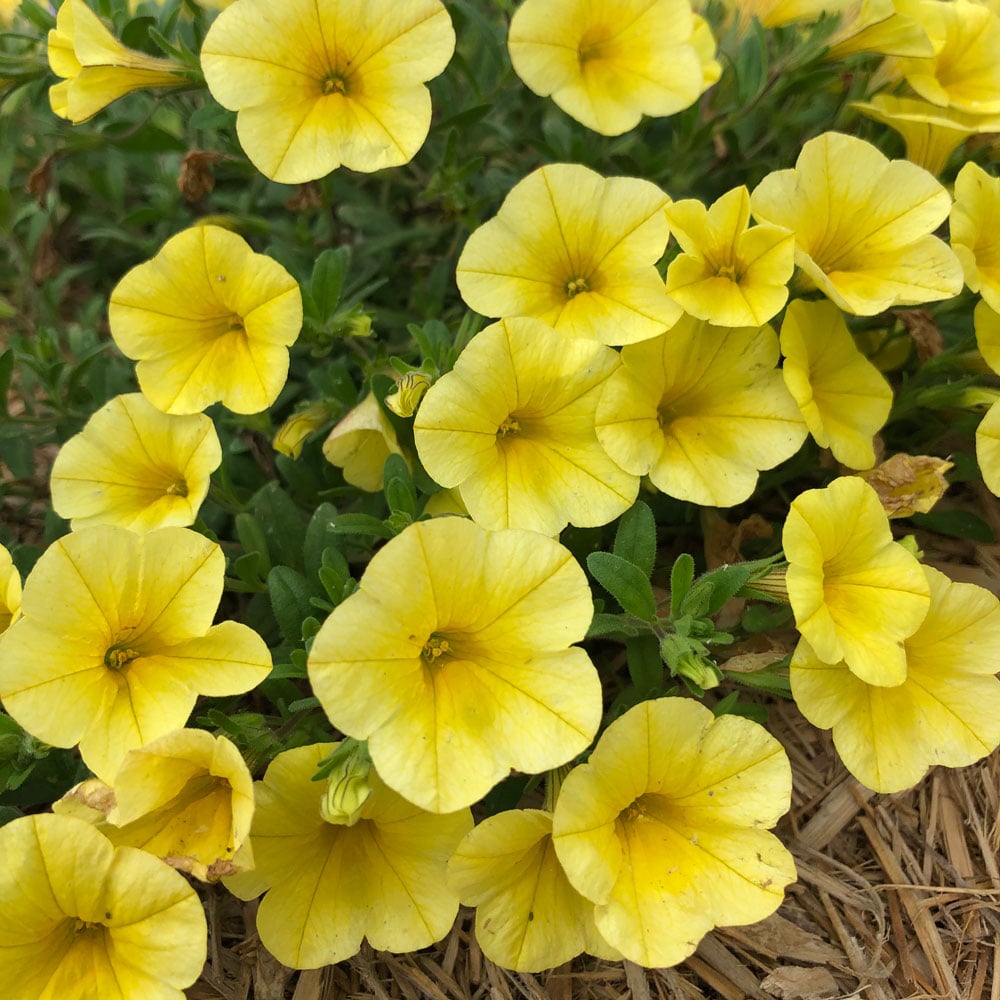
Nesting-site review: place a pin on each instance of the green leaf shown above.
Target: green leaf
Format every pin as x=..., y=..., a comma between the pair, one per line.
x=361, y=524
x=626, y=583
x=681, y=575
x=253, y=540
x=645, y=665
x=606, y=626
x=398, y=487
x=320, y=536
x=957, y=524
x=327, y=281
x=6, y=370
x=635, y=540
x=283, y=523
x=289, y=592
x=725, y=582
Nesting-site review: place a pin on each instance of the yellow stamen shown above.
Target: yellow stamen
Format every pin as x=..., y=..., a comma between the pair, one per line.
x=575, y=286
x=434, y=648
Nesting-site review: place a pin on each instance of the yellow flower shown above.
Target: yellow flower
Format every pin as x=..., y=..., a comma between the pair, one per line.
x=840, y=393
x=576, y=250
x=292, y=434
x=360, y=444
x=975, y=232
x=883, y=26
x=207, y=319
x=931, y=133
x=330, y=83
x=115, y=641
x=410, y=390
x=135, y=466
x=608, y=63
x=727, y=274
x=947, y=711
x=8, y=11
x=528, y=916
x=96, y=68
x=10, y=590
x=513, y=427
x=775, y=13
x=964, y=72
x=701, y=410
x=665, y=828
x=862, y=225
x=329, y=885
x=987, y=325
x=453, y=659
x=856, y=593
x=80, y=918
x=186, y=797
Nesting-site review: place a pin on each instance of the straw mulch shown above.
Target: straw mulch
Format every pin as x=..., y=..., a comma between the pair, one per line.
x=898, y=897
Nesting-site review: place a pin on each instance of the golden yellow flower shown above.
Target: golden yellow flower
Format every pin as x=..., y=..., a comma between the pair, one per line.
x=135, y=466
x=361, y=442
x=727, y=274
x=328, y=83
x=700, y=410
x=946, y=711
x=454, y=660
x=608, y=63
x=855, y=592
x=862, y=225
x=843, y=398
x=96, y=68
x=512, y=426
x=292, y=434
x=665, y=828
x=330, y=885
x=80, y=918
x=115, y=641
x=207, y=319
x=577, y=251
x=186, y=797
x=883, y=26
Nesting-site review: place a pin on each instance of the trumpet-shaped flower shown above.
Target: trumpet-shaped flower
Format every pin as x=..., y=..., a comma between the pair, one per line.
x=883, y=26
x=964, y=72
x=665, y=828
x=727, y=274
x=186, y=797
x=453, y=659
x=115, y=641
x=361, y=442
x=513, y=426
x=10, y=590
x=701, y=410
x=856, y=594
x=576, y=250
x=528, y=916
x=320, y=85
x=135, y=466
x=96, y=68
x=975, y=232
x=207, y=319
x=606, y=63
x=931, y=133
x=843, y=398
x=947, y=711
x=987, y=323
x=80, y=918
x=330, y=884
x=862, y=225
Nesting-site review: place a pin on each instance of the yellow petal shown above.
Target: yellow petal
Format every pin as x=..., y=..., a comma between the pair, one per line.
x=975, y=233
x=843, y=398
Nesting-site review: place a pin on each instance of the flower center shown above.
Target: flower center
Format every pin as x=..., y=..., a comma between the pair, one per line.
x=333, y=83
x=510, y=425
x=119, y=657
x=236, y=323
x=575, y=286
x=593, y=44
x=434, y=648
x=728, y=271
x=177, y=489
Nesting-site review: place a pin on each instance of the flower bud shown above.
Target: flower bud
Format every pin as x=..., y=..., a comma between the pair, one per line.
x=410, y=390
x=347, y=788
x=293, y=432
x=699, y=670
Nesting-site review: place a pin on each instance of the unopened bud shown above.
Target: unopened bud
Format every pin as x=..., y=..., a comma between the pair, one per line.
x=702, y=672
x=293, y=432
x=347, y=788
x=410, y=390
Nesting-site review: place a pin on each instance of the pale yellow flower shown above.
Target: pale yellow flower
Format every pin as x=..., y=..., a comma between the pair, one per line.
x=322, y=84
x=135, y=466
x=862, y=225
x=361, y=442
x=975, y=232
x=665, y=828
x=10, y=590
x=577, y=251
x=207, y=319
x=81, y=919
x=607, y=63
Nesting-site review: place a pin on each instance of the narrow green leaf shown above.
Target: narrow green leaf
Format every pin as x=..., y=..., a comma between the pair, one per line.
x=289, y=592
x=327, y=280
x=725, y=582
x=645, y=666
x=626, y=583
x=361, y=524
x=681, y=576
